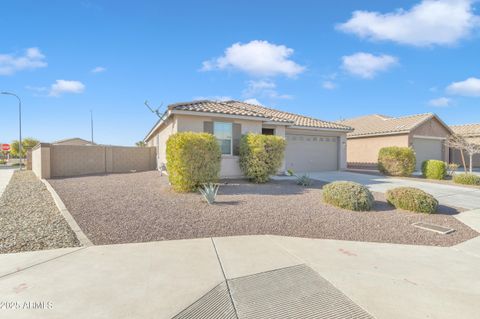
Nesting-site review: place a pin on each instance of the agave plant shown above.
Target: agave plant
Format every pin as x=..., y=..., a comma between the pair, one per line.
x=304, y=180
x=209, y=192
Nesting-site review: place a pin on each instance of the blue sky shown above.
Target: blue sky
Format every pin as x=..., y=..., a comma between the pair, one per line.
x=329, y=60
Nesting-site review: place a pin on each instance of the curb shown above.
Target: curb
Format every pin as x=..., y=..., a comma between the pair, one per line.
x=82, y=238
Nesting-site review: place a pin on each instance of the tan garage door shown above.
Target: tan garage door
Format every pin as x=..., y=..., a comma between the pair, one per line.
x=310, y=153
x=426, y=149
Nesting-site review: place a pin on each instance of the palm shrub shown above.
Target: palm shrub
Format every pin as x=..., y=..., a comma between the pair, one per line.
x=412, y=199
x=304, y=180
x=434, y=169
x=466, y=179
x=261, y=156
x=348, y=195
x=396, y=161
x=193, y=159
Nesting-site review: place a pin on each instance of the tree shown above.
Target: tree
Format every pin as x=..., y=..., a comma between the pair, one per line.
x=460, y=143
x=26, y=144
x=140, y=144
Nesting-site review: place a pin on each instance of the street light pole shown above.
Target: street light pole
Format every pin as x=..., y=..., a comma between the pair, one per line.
x=19, y=124
x=91, y=124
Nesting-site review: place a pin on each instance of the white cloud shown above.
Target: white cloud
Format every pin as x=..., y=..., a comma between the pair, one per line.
x=98, y=69
x=64, y=86
x=253, y=101
x=367, y=65
x=431, y=22
x=31, y=59
x=213, y=98
x=469, y=87
x=329, y=85
x=258, y=58
x=440, y=102
x=264, y=88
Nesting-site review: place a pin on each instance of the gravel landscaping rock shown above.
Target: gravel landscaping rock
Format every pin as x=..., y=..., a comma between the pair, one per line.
x=29, y=218
x=139, y=207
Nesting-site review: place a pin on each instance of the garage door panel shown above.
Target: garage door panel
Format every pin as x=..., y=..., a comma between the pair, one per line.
x=310, y=153
x=427, y=149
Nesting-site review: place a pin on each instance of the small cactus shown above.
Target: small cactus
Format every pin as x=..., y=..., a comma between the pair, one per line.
x=209, y=192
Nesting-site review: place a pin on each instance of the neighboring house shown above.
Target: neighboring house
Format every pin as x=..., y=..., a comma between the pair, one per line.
x=426, y=133
x=471, y=132
x=73, y=141
x=312, y=144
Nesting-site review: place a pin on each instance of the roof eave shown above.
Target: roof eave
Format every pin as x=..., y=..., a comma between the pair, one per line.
x=219, y=114
x=300, y=127
x=380, y=134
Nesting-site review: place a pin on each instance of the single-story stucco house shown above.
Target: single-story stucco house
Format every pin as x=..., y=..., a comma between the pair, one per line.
x=312, y=144
x=73, y=141
x=471, y=132
x=426, y=133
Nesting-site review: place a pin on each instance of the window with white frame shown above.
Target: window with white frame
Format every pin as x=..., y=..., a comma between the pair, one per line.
x=223, y=133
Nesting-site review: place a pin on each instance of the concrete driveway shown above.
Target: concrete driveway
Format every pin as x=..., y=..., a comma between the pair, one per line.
x=457, y=196
x=161, y=279
x=5, y=176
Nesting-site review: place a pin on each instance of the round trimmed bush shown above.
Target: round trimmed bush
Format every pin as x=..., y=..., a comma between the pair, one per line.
x=412, y=199
x=261, y=156
x=396, y=161
x=192, y=160
x=348, y=195
x=434, y=169
x=466, y=179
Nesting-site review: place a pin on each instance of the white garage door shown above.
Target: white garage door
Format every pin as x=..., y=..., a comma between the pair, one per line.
x=426, y=149
x=310, y=153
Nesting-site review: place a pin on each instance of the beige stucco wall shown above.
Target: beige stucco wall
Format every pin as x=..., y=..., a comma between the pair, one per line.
x=49, y=160
x=41, y=160
x=230, y=167
x=364, y=150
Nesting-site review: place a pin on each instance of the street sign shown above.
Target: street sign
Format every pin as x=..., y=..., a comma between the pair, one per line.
x=5, y=147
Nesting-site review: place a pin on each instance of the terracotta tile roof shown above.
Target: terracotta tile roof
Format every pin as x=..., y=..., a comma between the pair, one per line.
x=246, y=109
x=376, y=124
x=466, y=129
x=213, y=107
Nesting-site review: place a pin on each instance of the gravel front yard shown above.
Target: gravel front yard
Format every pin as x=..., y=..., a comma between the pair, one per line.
x=140, y=207
x=29, y=219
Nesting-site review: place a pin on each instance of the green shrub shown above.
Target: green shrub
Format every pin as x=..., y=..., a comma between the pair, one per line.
x=466, y=179
x=412, y=199
x=348, y=195
x=261, y=156
x=396, y=161
x=434, y=169
x=193, y=159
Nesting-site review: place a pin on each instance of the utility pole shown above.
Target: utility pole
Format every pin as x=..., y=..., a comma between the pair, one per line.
x=91, y=123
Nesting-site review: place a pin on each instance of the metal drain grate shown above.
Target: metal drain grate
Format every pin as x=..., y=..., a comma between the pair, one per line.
x=293, y=292
x=435, y=228
x=216, y=304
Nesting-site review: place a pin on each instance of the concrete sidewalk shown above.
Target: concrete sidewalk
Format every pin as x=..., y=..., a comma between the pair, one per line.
x=457, y=196
x=5, y=176
x=160, y=279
